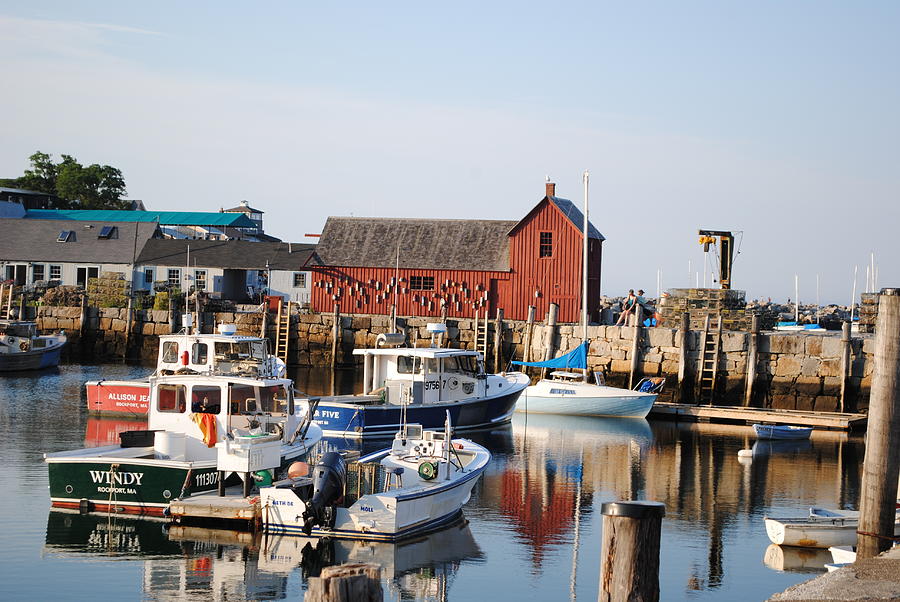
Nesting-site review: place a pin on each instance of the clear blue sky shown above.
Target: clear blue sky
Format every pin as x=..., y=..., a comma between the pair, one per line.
x=781, y=120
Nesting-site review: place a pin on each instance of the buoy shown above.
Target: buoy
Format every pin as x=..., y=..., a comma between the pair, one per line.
x=298, y=469
x=745, y=453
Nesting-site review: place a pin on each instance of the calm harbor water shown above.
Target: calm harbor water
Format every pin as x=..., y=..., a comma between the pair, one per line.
x=533, y=524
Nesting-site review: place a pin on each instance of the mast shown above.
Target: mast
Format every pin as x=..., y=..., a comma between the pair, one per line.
x=584, y=271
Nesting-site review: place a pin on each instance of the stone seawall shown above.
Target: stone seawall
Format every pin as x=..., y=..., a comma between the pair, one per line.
x=794, y=370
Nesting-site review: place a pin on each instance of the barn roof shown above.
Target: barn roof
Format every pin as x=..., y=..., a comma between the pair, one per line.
x=39, y=240
x=228, y=254
x=433, y=244
x=571, y=212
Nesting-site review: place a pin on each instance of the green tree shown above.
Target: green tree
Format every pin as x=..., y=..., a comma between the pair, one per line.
x=78, y=187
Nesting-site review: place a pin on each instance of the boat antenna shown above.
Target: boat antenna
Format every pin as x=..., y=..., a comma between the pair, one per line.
x=584, y=269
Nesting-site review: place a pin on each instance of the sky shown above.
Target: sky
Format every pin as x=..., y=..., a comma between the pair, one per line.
x=778, y=121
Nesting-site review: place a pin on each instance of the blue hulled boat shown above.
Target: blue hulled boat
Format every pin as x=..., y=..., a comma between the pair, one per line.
x=424, y=384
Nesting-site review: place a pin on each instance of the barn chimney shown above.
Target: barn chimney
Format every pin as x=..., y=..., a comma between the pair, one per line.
x=551, y=188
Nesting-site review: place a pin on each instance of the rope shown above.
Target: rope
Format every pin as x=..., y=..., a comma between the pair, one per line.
x=887, y=537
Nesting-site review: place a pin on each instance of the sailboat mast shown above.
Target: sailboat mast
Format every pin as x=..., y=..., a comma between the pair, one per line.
x=584, y=273
x=584, y=263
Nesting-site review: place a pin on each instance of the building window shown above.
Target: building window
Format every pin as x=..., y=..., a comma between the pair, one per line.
x=421, y=283
x=546, y=247
x=66, y=236
x=200, y=280
x=299, y=279
x=148, y=276
x=37, y=272
x=175, y=277
x=55, y=272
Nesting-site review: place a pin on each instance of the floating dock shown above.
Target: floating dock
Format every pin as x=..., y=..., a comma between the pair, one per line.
x=233, y=506
x=739, y=415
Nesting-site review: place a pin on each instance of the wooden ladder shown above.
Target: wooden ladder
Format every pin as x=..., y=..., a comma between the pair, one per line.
x=710, y=340
x=283, y=326
x=481, y=334
x=6, y=298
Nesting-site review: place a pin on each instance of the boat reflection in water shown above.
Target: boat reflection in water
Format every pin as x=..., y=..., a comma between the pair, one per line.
x=796, y=560
x=182, y=562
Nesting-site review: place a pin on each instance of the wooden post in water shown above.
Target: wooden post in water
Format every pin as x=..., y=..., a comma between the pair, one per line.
x=751, y=359
x=882, y=461
x=129, y=318
x=629, y=556
x=346, y=583
x=683, y=338
x=82, y=319
x=845, y=363
x=529, y=330
x=636, y=344
x=335, y=333
x=498, y=340
x=550, y=346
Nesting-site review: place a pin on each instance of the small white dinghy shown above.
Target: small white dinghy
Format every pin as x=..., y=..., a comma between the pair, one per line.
x=782, y=431
x=822, y=528
x=417, y=485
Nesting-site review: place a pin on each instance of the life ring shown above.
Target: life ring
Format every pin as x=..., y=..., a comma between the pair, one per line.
x=23, y=345
x=10, y=340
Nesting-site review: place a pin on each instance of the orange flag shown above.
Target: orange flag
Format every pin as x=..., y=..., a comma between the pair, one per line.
x=207, y=424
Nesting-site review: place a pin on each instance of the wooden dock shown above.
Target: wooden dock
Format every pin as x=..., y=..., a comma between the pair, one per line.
x=210, y=506
x=740, y=415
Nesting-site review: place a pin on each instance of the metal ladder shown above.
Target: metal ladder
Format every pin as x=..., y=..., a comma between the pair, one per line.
x=282, y=329
x=710, y=340
x=6, y=298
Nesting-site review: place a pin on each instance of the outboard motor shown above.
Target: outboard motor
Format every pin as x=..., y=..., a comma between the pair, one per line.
x=329, y=477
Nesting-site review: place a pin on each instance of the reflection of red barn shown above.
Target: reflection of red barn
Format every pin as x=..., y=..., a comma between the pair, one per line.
x=543, y=512
x=458, y=265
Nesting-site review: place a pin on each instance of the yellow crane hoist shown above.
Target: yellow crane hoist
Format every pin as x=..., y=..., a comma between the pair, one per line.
x=726, y=249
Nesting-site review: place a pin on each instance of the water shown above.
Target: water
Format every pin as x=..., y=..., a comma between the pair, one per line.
x=534, y=520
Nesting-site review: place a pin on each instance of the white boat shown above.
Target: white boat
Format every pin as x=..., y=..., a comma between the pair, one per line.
x=22, y=348
x=822, y=528
x=417, y=485
x=565, y=392
x=203, y=430
x=186, y=353
x=782, y=431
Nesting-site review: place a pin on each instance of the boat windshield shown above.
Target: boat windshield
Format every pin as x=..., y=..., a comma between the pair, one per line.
x=407, y=364
x=240, y=350
x=18, y=330
x=460, y=364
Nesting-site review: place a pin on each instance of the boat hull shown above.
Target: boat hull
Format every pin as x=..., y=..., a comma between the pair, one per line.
x=354, y=420
x=588, y=400
x=781, y=432
x=118, y=397
x=31, y=360
x=137, y=485
x=815, y=534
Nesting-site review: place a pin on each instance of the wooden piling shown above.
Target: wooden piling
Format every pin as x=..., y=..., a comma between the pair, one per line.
x=752, y=351
x=629, y=555
x=82, y=319
x=636, y=345
x=498, y=341
x=882, y=460
x=683, y=338
x=129, y=319
x=335, y=333
x=346, y=583
x=550, y=345
x=845, y=363
x=529, y=330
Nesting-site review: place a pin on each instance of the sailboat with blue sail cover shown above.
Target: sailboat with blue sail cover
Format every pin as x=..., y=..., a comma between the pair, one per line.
x=564, y=392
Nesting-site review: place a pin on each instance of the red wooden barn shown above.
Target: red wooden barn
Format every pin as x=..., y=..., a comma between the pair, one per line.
x=423, y=265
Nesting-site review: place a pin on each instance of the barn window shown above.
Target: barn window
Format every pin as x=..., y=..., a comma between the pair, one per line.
x=421, y=283
x=299, y=279
x=546, y=246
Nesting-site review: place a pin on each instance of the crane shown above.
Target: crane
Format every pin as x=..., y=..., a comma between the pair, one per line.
x=726, y=249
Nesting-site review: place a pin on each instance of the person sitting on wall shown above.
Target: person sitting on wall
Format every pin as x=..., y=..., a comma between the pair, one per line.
x=627, y=308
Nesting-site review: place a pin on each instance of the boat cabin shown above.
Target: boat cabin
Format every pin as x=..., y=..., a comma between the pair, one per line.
x=422, y=375
x=218, y=354
x=194, y=412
